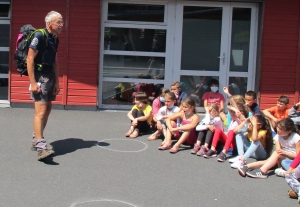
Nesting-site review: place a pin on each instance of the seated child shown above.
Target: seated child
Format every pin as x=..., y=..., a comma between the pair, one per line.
x=206, y=130
x=257, y=142
x=295, y=115
x=287, y=146
x=239, y=112
x=180, y=95
x=140, y=116
x=163, y=113
x=250, y=98
x=186, y=132
x=292, y=177
x=214, y=97
x=278, y=112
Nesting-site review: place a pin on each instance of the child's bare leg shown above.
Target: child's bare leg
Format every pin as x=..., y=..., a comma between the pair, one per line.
x=168, y=137
x=255, y=165
x=271, y=162
x=183, y=137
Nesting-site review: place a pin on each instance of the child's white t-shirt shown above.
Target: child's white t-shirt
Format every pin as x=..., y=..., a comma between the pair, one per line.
x=288, y=145
x=208, y=120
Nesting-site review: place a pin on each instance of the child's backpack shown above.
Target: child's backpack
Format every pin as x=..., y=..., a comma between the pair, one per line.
x=22, y=45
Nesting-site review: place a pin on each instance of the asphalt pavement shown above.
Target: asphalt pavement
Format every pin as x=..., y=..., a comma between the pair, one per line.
x=96, y=165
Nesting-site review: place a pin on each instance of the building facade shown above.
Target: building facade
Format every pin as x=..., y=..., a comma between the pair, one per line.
x=111, y=48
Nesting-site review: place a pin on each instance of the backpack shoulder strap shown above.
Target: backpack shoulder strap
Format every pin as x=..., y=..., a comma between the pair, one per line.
x=45, y=36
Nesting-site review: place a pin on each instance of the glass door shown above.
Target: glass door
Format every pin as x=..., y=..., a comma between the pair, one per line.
x=4, y=50
x=217, y=41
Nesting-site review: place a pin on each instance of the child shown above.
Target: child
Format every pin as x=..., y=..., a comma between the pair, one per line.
x=206, y=130
x=158, y=102
x=140, y=116
x=238, y=113
x=213, y=96
x=250, y=98
x=187, y=131
x=258, y=142
x=278, y=112
x=287, y=146
x=163, y=113
x=295, y=115
x=180, y=95
x=293, y=180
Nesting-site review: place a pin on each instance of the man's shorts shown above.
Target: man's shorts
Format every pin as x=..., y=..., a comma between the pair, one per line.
x=47, y=83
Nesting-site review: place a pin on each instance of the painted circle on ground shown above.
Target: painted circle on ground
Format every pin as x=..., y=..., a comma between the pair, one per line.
x=122, y=145
x=103, y=203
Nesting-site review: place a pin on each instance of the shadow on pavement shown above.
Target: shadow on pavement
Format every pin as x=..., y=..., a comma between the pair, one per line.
x=65, y=146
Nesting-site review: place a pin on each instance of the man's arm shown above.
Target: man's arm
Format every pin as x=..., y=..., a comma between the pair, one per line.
x=32, y=53
x=55, y=69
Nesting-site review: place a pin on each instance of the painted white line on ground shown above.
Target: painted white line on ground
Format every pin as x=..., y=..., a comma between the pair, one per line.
x=101, y=200
x=107, y=148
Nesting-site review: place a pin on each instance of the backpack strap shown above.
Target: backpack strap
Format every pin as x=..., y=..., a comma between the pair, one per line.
x=41, y=31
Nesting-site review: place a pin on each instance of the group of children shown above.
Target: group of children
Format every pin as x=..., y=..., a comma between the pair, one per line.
x=244, y=130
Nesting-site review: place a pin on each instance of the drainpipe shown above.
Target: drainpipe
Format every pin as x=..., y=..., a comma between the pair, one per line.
x=297, y=85
x=66, y=54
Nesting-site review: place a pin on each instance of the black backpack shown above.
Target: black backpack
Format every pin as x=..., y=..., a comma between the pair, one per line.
x=22, y=45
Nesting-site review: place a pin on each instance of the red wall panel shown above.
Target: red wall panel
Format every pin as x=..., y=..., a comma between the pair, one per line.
x=280, y=51
x=78, y=53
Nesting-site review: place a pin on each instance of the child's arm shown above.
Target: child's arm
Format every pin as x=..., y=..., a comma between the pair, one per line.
x=269, y=115
x=230, y=99
x=129, y=115
x=145, y=117
x=240, y=126
x=190, y=126
x=287, y=154
x=204, y=123
x=221, y=106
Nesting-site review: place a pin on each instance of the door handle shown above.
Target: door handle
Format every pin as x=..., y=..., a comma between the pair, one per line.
x=223, y=58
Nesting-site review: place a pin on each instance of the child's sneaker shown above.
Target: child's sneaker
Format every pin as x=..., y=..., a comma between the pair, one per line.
x=243, y=170
x=232, y=160
x=280, y=172
x=222, y=157
x=238, y=163
x=203, y=150
x=195, y=149
x=257, y=173
x=210, y=153
x=42, y=154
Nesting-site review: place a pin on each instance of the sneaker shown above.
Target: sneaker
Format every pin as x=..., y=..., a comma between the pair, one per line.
x=42, y=154
x=238, y=163
x=257, y=173
x=292, y=194
x=222, y=157
x=243, y=170
x=280, y=172
x=210, y=153
x=33, y=148
x=203, y=150
x=195, y=149
x=232, y=160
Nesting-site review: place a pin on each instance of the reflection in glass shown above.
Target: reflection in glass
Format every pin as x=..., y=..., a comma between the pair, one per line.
x=4, y=62
x=4, y=10
x=129, y=39
x=133, y=66
x=136, y=12
x=123, y=93
x=196, y=86
x=240, y=39
x=3, y=88
x=4, y=35
x=201, y=38
x=238, y=85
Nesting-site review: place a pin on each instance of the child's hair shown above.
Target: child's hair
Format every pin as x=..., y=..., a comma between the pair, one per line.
x=176, y=83
x=171, y=95
x=190, y=102
x=287, y=124
x=213, y=82
x=142, y=97
x=243, y=109
x=163, y=91
x=265, y=125
x=283, y=99
x=214, y=107
x=251, y=94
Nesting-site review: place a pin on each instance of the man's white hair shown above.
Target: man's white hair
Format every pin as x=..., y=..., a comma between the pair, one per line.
x=51, y=16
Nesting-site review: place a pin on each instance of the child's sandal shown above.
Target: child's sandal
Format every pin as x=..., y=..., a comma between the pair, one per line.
x=174, y=149
x=135, y=134
x=129, y=132
x=153, y=136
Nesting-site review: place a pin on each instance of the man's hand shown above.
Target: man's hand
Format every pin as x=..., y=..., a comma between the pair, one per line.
x=56, y=89
x=35, y=88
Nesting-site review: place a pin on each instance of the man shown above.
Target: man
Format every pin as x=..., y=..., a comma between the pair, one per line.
x=42, y=69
